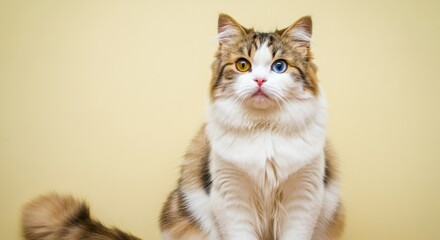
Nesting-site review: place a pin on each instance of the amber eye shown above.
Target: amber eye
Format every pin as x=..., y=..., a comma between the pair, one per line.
x=242, y=65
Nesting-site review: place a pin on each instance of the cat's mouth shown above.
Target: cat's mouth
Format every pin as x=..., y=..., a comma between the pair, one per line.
x=260, y=93
x=260, y=100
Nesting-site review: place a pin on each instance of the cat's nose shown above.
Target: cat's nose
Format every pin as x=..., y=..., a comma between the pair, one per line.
x=260, y=81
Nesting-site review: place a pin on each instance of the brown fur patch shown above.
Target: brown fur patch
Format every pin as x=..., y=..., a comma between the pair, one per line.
x=175, y=217
x=195, y=169
x=176, y=220
x=54, y=217
x=337, y=225
x=331, y=168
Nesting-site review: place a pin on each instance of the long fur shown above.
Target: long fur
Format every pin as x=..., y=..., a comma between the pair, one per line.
x=261, y=167
x=55, y=217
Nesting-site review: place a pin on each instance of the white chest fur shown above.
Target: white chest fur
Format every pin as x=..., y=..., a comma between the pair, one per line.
x=265, y=154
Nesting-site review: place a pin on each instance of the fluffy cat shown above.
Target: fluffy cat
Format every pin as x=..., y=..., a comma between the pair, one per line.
x=260, y=168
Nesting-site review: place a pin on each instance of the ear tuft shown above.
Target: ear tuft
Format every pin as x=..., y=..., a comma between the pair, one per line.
x=300, y=33
x=229, y=30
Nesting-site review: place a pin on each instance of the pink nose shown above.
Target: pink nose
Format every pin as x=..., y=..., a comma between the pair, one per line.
x=260, y=81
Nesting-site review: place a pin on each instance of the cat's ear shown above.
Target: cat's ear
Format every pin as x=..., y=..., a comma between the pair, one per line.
x=229, y=30
x=300, y=34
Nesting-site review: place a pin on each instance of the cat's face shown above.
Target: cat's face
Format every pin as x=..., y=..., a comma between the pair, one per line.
x=263, y=72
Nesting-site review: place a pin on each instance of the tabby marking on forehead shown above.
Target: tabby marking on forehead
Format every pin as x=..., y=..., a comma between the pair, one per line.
x=263, y=55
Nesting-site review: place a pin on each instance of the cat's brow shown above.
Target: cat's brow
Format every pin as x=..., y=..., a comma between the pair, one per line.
x=257, y=41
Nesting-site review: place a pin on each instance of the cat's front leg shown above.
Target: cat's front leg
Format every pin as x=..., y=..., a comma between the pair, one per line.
x=231, y=200
x=304, y=192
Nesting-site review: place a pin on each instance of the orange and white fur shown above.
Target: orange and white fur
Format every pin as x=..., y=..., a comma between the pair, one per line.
x=260, y=168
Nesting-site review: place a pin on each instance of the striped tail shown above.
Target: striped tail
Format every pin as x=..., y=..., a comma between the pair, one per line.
x=54, y=217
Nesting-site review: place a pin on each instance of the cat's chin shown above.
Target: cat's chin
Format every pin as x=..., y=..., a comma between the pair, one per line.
x=261, y=101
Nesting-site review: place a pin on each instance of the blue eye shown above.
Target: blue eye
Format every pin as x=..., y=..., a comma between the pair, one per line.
x=279, y=66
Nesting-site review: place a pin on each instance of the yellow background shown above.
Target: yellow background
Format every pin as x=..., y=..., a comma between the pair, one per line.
x=100, y=99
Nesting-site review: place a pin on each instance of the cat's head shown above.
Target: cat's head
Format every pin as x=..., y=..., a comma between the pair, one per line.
x=263, y=76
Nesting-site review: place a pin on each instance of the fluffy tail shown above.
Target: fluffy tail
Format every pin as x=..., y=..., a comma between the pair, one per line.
x=54, y=217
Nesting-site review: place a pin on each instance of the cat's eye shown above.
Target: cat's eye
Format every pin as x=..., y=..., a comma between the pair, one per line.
x=242, y=65
x=279, y=66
